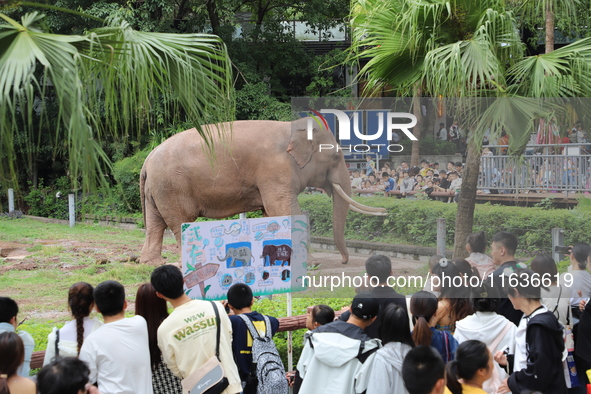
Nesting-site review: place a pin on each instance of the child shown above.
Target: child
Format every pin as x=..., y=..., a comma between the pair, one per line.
x=319, y=315
x=476, y=246
x=240, y=301
x=389, y=182
x=408, y=184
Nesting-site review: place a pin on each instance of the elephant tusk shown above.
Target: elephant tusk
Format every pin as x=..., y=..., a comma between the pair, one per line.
x=354, y=203
x=354, y=208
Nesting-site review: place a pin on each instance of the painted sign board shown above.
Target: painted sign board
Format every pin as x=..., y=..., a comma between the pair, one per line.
x=268, y=254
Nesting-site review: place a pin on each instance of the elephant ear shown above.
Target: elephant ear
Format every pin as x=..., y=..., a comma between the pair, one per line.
x=300, y=148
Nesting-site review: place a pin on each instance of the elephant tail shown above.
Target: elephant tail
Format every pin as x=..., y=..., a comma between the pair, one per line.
x=143, y=176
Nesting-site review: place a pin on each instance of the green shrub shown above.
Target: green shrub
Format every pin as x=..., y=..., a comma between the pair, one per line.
x=50, y=201
x=127, y=174
x=415, y=222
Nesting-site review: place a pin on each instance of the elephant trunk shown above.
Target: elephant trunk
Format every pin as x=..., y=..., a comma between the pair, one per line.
x=340, y=208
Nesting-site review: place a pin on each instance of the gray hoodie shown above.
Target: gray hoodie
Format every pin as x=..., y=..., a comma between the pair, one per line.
x=386, y=372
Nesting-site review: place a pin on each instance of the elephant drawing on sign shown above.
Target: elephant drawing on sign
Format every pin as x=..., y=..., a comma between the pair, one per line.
x=242, y=254
x=281, y=253
x=180, y=181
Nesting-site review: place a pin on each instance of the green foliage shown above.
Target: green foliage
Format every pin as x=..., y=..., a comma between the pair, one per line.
x=127, y=175
x=415, y=222
x=253, y=102
x=429, y=146
x=44, y=201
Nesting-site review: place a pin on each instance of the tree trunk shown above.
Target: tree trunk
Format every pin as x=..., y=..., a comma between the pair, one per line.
x=549, y=27
x=214, y=18
x=467, y=201
x=416, y=111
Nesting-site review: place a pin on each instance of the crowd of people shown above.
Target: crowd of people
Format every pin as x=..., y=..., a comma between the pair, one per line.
x=483, y=324
x=409, y=182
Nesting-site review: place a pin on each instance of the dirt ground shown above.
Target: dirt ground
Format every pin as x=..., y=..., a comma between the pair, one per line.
x=22, y=257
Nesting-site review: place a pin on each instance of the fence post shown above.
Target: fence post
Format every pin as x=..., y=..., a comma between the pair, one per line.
x=72, y=209
x=557, y=240
x=10, y=200
x=441, y=237
x=242, y=216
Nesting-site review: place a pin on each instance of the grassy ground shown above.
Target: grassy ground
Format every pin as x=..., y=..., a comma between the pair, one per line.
x=60, y=256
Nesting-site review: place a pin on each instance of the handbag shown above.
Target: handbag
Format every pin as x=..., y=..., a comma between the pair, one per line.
x=570, y=370
x=209, y=378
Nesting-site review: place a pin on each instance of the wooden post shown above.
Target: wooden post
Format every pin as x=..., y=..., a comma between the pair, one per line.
x=441, y=237
x=72, y=209
x=557, y=240
x=10, y=200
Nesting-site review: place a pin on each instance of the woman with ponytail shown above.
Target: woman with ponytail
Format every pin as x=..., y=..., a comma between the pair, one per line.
x=473, y=364
x=12, y=355
x=423, y=306
x=67, y=341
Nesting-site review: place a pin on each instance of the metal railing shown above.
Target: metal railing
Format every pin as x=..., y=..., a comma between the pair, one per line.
x=544, y=168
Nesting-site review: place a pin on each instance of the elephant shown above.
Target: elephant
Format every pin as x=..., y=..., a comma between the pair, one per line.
x=242, y=253
x=248, y=166
x=281, y=253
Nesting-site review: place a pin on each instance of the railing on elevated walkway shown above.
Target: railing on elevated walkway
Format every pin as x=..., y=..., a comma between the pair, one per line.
x=543, y=168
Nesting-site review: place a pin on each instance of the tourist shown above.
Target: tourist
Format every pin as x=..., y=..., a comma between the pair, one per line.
x=178, y=344
x=153, y=308
x=9, y=322
x=503, y=247
x=117, y=353
x=423, y=306
x=423, y=371
x=378, y=269
x=487, y=326
x=473, y=364
x=389, y=182
x=556, y=298
x=370, y=165
x=581, y=278
x=542, y=369
x=408, y=184
x=356, y=181
x=453, y=303
x=67, y=341
x=12, y=350
x=240, y=301
x=68, y=375
x=476, y=246
x=346, y=366
x=319, y=315
x=424, y=168
x=386, y=373
x=441, y=133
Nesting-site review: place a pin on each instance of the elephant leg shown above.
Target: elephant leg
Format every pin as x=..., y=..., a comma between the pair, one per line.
x=282, y=205
x=155, y=226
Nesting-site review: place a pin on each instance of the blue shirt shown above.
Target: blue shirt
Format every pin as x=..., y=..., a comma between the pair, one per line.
x=390, y=184
x=29, y=343
x=242, y=341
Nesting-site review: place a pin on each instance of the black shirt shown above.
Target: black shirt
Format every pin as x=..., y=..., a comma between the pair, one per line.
x=386, y=296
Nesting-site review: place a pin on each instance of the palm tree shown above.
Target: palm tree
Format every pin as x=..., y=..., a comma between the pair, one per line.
x=81, y=90
x=466, y=49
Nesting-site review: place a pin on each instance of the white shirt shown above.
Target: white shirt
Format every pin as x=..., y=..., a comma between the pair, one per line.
x=520, y=360
x=68, y=343
x=118, y=356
